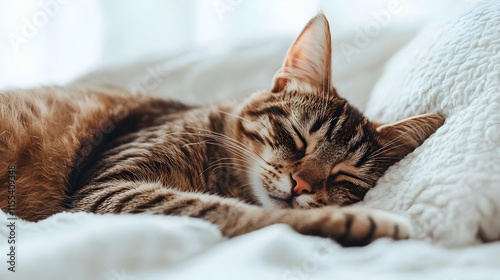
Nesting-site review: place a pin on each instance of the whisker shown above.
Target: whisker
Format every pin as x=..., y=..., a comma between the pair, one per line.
x=237, y=143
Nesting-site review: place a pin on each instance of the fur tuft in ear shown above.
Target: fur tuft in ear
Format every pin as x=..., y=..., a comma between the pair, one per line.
x=403, y=137
x=308, y=62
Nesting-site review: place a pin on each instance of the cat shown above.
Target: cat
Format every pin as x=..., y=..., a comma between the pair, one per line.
x=295, y=154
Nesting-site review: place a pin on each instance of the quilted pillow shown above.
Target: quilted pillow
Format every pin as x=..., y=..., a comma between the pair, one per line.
x=449, y=186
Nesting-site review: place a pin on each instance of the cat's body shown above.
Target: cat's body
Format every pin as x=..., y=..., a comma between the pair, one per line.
x=275, y=157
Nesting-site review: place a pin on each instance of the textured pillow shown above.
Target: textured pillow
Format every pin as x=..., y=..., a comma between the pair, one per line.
x=450, y=186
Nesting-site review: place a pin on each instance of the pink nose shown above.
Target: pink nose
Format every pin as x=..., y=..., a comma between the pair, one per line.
x=301, y=187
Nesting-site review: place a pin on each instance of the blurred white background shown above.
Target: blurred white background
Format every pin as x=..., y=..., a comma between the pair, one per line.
x=55, y=41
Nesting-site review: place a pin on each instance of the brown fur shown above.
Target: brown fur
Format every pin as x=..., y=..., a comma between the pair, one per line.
x=108, y=151
x=40, y=132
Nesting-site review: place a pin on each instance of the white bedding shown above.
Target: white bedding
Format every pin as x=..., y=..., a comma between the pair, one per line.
x=87, y=246
x=450, y=186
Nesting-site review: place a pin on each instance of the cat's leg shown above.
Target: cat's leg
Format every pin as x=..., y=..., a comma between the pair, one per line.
x=348, y=226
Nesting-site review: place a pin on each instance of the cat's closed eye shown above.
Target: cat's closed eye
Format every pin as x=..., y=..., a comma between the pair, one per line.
x=301, y=144
x=343, y=177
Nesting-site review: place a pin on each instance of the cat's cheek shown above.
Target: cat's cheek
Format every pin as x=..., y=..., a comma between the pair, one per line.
x=282, y=188
x=257, y=186
x=256, y=148
x=267, y=153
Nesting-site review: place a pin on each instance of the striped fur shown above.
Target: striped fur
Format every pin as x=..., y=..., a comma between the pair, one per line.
x=108, y=151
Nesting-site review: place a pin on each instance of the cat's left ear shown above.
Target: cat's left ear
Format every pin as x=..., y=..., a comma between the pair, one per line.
x=403, y=137
x=308, y=62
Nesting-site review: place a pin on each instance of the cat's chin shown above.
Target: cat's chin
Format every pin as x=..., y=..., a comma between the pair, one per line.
x=280, y=203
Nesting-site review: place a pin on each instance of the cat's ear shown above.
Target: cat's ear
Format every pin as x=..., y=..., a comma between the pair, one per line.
x=403, y=137
x=308, y=62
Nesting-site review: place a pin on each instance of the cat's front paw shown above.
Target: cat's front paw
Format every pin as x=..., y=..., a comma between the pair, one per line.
x=360, y=226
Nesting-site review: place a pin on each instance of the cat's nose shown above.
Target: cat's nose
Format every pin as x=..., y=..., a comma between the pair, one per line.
x=301, y=186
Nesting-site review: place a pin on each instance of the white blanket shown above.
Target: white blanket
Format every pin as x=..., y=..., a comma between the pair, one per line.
x=449, y=187
x=86, y=246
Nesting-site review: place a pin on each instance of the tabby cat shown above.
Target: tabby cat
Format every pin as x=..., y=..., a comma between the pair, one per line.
x=292, y=154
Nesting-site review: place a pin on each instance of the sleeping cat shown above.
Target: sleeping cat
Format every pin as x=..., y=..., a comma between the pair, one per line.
x=292, y=154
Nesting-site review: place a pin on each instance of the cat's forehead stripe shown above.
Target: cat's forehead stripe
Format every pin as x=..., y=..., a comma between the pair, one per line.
x=274, y=110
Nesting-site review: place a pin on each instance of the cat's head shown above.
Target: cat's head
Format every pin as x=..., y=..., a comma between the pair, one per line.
x=309, y=147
